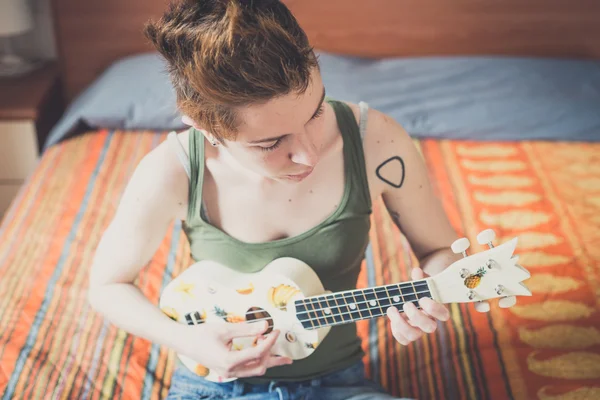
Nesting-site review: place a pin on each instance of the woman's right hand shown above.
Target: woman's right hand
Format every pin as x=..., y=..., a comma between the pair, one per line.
x=210, y=345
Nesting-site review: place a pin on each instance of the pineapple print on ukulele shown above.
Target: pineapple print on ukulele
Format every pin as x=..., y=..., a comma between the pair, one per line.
x=473, y=280
x=171, y=313
x=227, y=316
x=280, y=295
x=311, y=346
x=186, y=290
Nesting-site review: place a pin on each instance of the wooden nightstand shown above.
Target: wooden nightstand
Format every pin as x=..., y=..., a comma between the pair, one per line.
x=29, y=106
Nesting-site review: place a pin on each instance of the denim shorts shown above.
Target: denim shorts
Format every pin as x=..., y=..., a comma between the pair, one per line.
x=346, y=384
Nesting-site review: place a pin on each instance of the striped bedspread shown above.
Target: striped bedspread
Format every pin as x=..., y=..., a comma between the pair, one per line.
x=52, y=345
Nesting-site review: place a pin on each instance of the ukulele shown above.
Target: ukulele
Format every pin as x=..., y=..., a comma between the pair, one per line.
x=289, y=295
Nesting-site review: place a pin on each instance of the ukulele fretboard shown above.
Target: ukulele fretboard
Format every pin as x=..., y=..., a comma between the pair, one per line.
x=354, y=305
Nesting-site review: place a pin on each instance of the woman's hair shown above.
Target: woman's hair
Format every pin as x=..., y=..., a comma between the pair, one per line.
x=223, y=54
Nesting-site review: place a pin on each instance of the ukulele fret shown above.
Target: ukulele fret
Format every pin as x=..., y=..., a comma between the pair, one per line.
x=362, y=304
x=335, y=309
x=317, y=315
x=355, y=313
x=373, y=302
x=321, y=320
x=395, y=296
x=326, y=310
x=383, y=298
x=408, y=294
x=355, y=305
x=344, y=310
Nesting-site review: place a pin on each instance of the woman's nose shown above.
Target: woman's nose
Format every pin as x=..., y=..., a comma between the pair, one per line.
x=305, y=152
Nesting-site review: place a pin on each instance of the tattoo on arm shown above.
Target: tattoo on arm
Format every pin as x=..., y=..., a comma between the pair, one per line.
x=391, y=171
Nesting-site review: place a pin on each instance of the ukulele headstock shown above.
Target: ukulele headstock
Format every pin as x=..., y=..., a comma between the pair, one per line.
x=489, y=274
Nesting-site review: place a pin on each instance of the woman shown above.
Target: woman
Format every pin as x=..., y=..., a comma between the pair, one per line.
x=268, y=168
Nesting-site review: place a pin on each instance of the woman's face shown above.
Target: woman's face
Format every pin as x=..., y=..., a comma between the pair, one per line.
x=282, y=139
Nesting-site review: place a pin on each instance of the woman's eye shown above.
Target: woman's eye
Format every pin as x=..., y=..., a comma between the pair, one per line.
x=272, y=146
x=319, y=112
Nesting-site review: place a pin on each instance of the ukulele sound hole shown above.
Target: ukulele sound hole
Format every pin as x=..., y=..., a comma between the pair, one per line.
x=257, y=313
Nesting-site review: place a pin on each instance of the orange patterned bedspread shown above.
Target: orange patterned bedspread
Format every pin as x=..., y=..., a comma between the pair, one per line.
x=52, y=345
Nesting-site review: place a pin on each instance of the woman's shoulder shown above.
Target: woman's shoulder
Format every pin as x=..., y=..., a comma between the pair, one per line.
x=160, y=179
x=385, y=143
x=382, y=132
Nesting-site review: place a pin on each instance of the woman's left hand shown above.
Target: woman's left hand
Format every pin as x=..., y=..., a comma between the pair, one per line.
x=410, y=325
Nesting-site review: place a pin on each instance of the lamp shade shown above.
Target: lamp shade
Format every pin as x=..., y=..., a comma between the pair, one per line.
x=15, y=17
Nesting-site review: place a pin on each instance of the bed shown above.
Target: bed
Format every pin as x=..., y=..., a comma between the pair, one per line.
x=541, y=185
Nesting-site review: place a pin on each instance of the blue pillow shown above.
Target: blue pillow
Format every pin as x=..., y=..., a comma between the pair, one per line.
x=478, y=98
x=133, y=93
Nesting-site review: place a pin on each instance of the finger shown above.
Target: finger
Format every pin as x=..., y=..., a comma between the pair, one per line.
x=435, y=309
x=257, y=370
x=419, y=319
x=256, y=353
x=277, y=361
x=416, y=274
x=241, y=329
x=401, y=328
x=397, y=335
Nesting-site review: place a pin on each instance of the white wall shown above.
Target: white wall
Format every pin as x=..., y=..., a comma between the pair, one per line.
x=38, y=43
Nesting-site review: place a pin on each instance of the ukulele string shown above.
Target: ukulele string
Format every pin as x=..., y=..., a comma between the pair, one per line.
x=311, y=319
x=314, y=300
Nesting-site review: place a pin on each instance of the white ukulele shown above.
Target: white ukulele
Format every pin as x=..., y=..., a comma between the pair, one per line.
x=289, y=295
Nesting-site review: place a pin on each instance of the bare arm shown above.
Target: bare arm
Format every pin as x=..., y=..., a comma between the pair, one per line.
x=154, y=197
x=409, y=197
x=399, y=174
x=148, y=206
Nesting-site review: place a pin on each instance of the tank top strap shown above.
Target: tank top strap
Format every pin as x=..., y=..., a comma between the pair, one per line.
x=196, y=151
x=364, y=112
x=180, y=152
x=354, y=157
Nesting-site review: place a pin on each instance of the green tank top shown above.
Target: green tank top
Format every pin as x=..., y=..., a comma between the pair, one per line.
x=334, y=248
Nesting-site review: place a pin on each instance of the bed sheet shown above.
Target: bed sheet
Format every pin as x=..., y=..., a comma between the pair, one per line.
x=52, y=345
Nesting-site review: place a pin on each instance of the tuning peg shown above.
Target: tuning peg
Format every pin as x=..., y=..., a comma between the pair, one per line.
x=486, y=237
x=482, y=306
x=460, y=246
x=507, y=301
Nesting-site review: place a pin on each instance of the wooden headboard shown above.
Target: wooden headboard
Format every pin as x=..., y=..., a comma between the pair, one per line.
x=91, y=34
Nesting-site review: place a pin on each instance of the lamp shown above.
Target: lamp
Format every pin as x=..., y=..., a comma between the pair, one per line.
x=15, y=19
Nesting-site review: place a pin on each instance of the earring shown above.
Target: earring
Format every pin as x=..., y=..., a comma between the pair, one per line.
x=210, y=138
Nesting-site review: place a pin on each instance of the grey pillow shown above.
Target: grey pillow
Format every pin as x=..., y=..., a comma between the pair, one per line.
x=133, y=93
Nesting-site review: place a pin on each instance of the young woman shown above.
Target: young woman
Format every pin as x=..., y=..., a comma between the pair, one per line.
x=270, y=167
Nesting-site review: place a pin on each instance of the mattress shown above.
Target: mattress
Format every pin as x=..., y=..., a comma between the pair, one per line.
x=52, y=345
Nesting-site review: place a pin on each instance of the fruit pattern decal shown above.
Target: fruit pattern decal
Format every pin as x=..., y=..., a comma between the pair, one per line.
x=228, y=317
x=171, y=313
x=186, y=289
x=237, y=346
x=201, y=370
x=473, y=280
x=246, y=290
x=280, y=295
x=311, y=345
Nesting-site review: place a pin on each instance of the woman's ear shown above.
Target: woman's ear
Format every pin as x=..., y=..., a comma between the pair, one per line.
x=188, y=121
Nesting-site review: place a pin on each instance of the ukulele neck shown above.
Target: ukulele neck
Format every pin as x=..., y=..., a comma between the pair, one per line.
x=355, y=305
